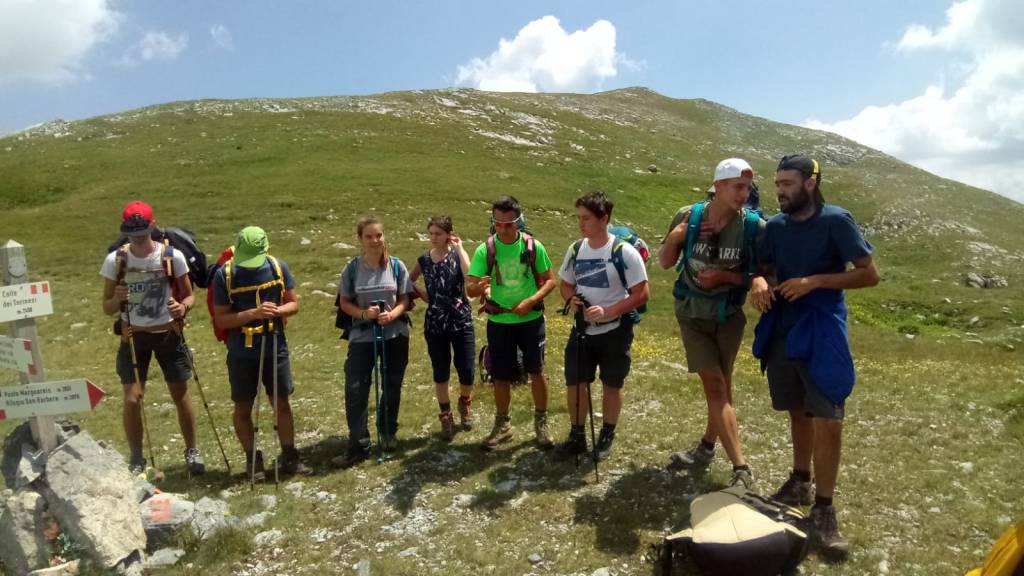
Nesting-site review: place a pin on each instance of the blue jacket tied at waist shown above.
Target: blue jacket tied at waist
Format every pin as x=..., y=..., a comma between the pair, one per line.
x=818, y=339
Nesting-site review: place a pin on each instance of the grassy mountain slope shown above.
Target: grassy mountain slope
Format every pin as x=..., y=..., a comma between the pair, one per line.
x=934, y=424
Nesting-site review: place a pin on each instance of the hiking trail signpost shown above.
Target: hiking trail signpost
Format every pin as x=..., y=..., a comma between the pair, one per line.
x=21, y=302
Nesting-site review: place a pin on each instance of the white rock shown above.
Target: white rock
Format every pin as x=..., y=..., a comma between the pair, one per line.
x=600, y=572
x=535, y=558
x=268, y=501
x=883, y=567
x=408, y=552
x=78, y=325
x=343, y=246
x=305, y=242
x=268, y=538
x=967, y=466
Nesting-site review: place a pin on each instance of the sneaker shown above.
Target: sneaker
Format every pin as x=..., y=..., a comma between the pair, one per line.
x=574, y=445
x=696, y=457
x=466, y=412
x=447, y=426
x=351, y=457
x=290, y=464
x=742, y=476
x=258, y=466
x=502, y=432
x=541, y=431
x=194, y=462
x=604, y=444
x=825, y=534
x=137, y=466
x=795, y=492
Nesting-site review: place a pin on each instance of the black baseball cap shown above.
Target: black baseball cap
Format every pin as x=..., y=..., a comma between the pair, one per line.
x=806, y=166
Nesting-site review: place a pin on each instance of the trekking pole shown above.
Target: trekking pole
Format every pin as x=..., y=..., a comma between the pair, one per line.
x=127, y=308
x=277, y=479
x=581, y=328
x=256, y=407
x=384, y=388
x=376, y=394
x=202, y=395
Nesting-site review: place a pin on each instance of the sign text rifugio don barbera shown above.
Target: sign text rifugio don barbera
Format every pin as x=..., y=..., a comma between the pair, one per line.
x=20, y=301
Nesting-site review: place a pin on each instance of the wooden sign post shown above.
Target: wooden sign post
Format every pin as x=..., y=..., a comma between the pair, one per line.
x=23, y=307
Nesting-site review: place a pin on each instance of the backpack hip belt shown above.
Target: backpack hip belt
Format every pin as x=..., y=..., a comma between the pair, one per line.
x=249, y=331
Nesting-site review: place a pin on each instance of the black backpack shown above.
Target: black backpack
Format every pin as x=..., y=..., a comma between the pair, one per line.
x=184, y=241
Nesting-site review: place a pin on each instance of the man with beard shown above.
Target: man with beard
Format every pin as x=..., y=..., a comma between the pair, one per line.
x=801, y=339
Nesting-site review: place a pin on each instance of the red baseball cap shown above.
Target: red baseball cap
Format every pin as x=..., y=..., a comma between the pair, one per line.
x=137, y=219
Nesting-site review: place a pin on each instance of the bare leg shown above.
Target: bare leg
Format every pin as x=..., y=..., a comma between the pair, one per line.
x=828, y=434
x=186, y=415
x=539, y=387
x=802, y=429
x=721, y=413
x=132, y=416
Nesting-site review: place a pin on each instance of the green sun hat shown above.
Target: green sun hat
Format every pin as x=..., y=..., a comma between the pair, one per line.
x=251, y=247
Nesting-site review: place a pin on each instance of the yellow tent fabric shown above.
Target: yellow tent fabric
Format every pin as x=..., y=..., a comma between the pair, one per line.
x=1006, y=554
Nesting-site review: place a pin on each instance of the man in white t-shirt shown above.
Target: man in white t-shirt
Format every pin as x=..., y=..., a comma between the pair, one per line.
x=139, y=285
x=605, y=279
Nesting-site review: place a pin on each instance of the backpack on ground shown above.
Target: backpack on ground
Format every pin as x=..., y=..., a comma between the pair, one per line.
x=736, y=295
x=736, y=531
x=485, y=367
x=185, y=241
x=620, y=263
x=343, y=321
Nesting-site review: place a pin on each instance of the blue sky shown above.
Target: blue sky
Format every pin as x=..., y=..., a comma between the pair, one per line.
x=817, y=63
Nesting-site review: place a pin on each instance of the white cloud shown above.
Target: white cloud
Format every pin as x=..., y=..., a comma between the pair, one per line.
x=160, y=46
x=155, y=46
x=222, y=37
x=973, y=131
x=47, y=41
x=544, y=57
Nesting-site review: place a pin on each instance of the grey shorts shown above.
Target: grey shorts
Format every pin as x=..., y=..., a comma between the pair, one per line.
x=792, y=387
x=712, y=344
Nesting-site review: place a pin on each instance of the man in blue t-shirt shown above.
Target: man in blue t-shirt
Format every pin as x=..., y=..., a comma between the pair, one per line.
x=801, y=337
x=253, y=293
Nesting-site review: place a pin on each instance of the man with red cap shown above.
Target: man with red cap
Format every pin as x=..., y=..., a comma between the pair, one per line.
x=147, y=282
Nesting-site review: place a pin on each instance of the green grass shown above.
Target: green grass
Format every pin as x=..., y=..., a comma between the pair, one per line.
x=935, y=425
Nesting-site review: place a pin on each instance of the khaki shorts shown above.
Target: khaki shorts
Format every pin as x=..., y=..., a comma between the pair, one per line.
x=711, y=344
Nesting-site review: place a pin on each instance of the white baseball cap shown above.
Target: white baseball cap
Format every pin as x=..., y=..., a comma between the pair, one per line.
x=733, y=168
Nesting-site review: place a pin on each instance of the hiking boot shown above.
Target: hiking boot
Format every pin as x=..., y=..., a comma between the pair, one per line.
x=541, y=431
x=742, y=476
x=604, y=444
x=795, y=492
x=258, y=466
x=290, y=464
x=447, y=426
x=194, y=462
x=696, y=457
x=575, y=445
x=351, y=457
x=825, y=534
x=466, y=412
x=137, y=466
x=502, y=432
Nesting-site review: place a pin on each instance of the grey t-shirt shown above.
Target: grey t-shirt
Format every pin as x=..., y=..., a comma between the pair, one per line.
x=723, y=251
x=364, y=285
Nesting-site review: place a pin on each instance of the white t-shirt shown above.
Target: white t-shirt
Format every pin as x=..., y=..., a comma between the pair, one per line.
x=596, y=278
x=148, y=288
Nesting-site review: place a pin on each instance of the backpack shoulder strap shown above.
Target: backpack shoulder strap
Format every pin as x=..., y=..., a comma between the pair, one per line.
x=619, y=262
x=278, y=274
x=751, y=226
x=227, y=278
x=530, y=244
x=121, y=262
x=396, y=271
x=692, y=232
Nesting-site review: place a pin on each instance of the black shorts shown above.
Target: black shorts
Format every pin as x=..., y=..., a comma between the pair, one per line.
x=610, y=351
x=792, y=387
x=443, y=347
x=504, y=339
x=170, y=353
x=243, y=373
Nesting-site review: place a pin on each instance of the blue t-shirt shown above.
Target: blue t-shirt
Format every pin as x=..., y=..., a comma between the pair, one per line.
x=242, y=301
x=822, y=244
